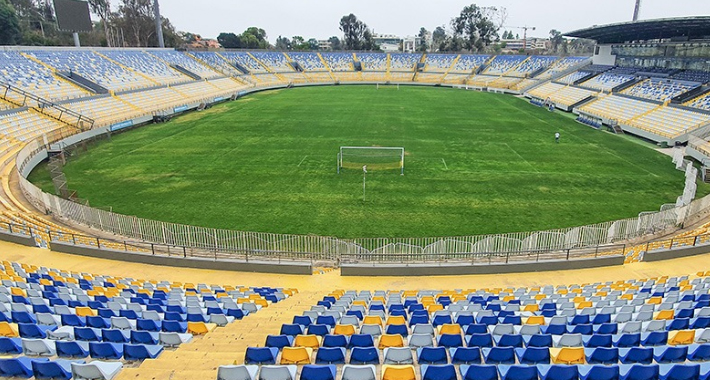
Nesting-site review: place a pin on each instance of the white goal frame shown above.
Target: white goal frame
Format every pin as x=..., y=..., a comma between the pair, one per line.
x=393, y=148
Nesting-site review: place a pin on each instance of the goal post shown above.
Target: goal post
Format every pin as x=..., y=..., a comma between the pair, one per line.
x=376, y=158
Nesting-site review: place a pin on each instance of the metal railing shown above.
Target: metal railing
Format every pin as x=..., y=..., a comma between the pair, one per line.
x=46, y=107
x=241, y=243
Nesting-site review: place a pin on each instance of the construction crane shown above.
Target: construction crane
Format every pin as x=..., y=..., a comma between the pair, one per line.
x=525, y=33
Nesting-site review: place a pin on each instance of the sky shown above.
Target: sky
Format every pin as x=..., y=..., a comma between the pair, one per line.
x=320, y=18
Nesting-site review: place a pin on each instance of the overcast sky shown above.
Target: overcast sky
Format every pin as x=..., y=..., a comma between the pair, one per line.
x=320, y=18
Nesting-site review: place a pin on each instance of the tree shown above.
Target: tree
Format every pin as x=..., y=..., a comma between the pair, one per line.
x=474, y=27
x=254, y=38
x=368, y=42
x=335, y=43
x=556, y=40
x=10, y=33
x=353, y=31
x=438, y=37
x=423, y=37
x=283, y=43
x=229, y=40
x=313, y=44
x=102, y=8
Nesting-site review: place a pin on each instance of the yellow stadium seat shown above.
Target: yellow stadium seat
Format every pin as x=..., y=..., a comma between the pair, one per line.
x=262, y=302
x=535, y=320
x=296, y=355
x=450, y=329
x=9, y=330
x=84, y=311
x=372, y=320
x=396, y=320
x=531, y=307
x=390, y=340
x=567, y=355
x=200, y=328
x=344, y=330
x=681, y=337
x=17, y=292
x=584, y=304
x=360, y=302
x=398, y=372
x=654, y=300
x=579, y=299
x=664, y=314
x=311, y=341
x=435, y=307
x=627, y=297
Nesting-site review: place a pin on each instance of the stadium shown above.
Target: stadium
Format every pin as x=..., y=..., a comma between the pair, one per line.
x=354, y=215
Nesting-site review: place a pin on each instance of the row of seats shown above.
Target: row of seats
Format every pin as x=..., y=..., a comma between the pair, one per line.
x=468, y=372
x=44, y=368
x=660, y=89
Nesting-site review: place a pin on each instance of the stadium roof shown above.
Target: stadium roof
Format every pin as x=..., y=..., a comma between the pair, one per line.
x=643, y=30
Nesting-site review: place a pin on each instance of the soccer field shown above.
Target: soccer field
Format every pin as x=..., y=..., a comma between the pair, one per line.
x=475, y=163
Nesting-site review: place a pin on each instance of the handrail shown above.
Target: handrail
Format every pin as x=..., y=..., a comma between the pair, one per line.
x=44, y=103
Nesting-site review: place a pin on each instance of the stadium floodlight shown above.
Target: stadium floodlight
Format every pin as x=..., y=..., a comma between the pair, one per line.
x=374, y=158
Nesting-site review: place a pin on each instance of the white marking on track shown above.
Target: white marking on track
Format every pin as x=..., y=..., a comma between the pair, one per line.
x=442, y=160
x=304, y=158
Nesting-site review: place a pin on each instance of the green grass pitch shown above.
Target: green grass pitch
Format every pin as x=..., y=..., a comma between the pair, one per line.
x=476, y=163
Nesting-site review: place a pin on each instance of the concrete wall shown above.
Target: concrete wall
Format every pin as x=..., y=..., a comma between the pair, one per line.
x=449, y=269
x=18, y=239
x=301, y=268
x=675, y=253
x=604, y=56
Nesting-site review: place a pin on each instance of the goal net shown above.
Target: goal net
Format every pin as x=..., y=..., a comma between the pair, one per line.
x=375, y=158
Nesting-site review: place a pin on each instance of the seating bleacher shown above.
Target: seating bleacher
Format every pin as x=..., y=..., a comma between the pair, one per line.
x=617, y=107
x=373, y=61
x=670, y=121
x=26, y=125
x=147, y=65
x=339, y=61
x=559, y=66
x=309, y=61
x=660, y=89
x=107, y=110
x=533, y=64
x=50, y=315
x=404, y=61
x=245, y=60
x=503, y=63
x=693, y=76
x=276, y=62
x=93, y=67
x=561, y=94
x=19, y=71
x=217, y=62
x=467, y=64
x=573, y=77
x=608, y=80
x=178, y=58
x=433, y=334
x=439, y=63
x=702, y=102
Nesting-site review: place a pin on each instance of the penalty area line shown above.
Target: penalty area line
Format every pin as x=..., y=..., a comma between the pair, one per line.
x=304, y=158
x=445, y=166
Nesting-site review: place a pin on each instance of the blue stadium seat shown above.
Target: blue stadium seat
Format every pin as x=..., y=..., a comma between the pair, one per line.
x=465, y=355
x=636, y=355
x=57, y=369
x=638, y=372
x=538, y=340
x=278, y=341
x=72, y=349
x=598, y=372
x=98, y=322
x=533, y=355
x=679, y=372
x=479, y=340
x=87, y=334
x=33, y=331
x=517, y=372
x=509, y=340
x=626, y=340
x=478, y=372
x=18, y=367
x=330, y=355
x=147, y=325
x=498, y=355
x=450, y=340
x=10, y=345
x=336, y=341
x=602, y=355
x=174, y=326
x=313, y=329
x=115, y=336
x=557, y=372
x=670, y=354
x=655, y=338
x=106, y=350
x=361, y=340
x=597, y=340
x=397, y=329
x=318, y=372
x=699, y=352
x=144, y=337
x=432, y=355
x=364, y=355
x=439, y=372
x=137, y=352
x=261, y=355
